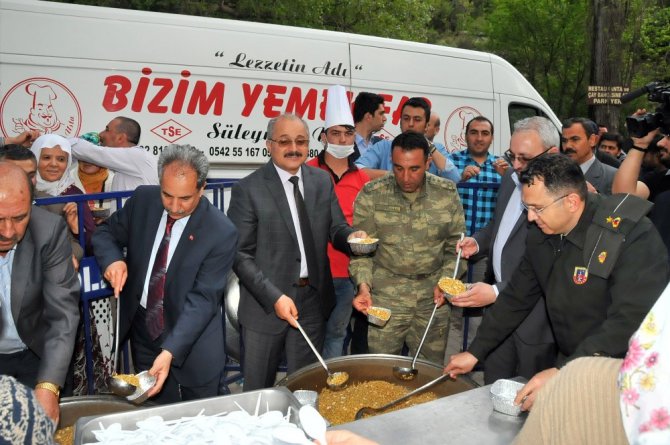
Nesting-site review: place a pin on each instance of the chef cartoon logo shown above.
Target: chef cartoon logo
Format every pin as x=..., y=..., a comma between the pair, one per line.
x=454, y=129
x=581, y=275
x=41, y=104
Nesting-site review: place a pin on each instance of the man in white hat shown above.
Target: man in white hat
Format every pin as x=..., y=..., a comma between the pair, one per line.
x=337, y=159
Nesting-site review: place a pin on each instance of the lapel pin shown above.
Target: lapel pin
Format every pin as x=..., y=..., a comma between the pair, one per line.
x=190, y=237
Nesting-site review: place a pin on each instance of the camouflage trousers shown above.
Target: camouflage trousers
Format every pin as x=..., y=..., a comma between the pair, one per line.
x=411, y=303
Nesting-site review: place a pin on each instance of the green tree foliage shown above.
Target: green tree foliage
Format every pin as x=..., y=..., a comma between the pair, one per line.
x=547, y=41
x=655, y=42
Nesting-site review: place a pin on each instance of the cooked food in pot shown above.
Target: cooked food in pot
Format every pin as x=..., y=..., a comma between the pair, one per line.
x=65, y=436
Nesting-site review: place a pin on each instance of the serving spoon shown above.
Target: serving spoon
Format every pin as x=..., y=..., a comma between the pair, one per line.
x=335, y=380
x=117, y=386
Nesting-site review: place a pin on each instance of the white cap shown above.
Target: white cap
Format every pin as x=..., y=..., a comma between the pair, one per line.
x=338, y=109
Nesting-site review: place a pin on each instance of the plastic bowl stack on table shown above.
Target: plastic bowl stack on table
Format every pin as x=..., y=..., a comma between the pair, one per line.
x=503, y=393
x=363, y=246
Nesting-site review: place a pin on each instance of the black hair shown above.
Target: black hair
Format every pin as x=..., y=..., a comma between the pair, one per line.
x=366, y=103
x=559, y=173
x=14, y=152
x=418, y=102
x=590, y=127
x=478, y=119
x=131, y=128
x=614, y=137
x=411, y=140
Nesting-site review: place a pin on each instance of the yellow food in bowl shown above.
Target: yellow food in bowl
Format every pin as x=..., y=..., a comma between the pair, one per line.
x=381, y=313
x=64, y=436
x=131, y=379
x=363, y=240
x=451, y=286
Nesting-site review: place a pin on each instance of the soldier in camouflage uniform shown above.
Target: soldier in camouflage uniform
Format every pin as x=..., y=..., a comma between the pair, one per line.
x=418, y=219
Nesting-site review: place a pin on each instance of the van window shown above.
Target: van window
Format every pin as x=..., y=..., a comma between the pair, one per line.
x=517, y=111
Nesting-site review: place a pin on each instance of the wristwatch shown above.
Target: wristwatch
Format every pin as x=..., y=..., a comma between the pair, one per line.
x=49, y=387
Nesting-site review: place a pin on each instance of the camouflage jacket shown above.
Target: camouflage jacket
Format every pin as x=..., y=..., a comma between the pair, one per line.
x=415, y=238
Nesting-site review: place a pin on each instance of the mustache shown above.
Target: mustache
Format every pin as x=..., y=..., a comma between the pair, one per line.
x=295, y=153
x=569, y=151
x=14, y=239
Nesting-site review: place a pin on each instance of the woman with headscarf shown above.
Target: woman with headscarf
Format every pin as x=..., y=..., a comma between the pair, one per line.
x=54, y=178
x=92, y=178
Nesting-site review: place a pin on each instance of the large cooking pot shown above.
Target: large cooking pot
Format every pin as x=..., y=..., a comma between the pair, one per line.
x=366, y=367
x=72, y=408
x=231, y=303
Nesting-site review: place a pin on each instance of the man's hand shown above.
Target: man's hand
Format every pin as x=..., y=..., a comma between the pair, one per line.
x=117, y=273
x=70, y=212
x=478, y=295
x=160, y=369
x=49, y=402
x=75, y=263
x=357, y=234
x=438, y=296
x=526, y=395
x=469, y=247
x=286, y=310
x=25, y=139
x=460, y=363
x=469, y=172
x=500, y=165
x=363, y=300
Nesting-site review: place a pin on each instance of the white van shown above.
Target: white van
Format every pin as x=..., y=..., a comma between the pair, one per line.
x=214, y=83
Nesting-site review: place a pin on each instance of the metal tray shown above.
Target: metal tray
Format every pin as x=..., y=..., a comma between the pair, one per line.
x=275, y=398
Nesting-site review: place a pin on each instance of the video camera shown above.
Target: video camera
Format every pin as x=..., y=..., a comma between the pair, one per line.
x=639, y=126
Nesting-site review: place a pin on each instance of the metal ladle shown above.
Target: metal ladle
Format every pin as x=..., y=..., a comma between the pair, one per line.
x=333, y=377
x=118, y=386
x=405, y=373
x=369, y=410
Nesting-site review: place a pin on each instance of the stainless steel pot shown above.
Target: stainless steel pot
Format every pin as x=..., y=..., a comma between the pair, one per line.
x=367, y=367
x=72, y=408
x=231, y=303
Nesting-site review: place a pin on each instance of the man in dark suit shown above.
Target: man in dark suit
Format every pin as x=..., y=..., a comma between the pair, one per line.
x=282, y=261
x=579, y=137
x=39, y=296
x=180, y=249
x=530, y=349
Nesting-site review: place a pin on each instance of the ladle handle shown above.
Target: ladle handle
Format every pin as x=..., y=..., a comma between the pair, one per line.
x=458, y=257
x=116, y=335
x=425, y=333
x=414, y=392
x=309, y=342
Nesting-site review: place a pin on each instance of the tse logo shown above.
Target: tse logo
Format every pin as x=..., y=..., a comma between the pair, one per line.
x=170, y=131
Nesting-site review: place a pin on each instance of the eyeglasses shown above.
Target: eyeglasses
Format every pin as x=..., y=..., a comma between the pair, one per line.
x=285, y=143
x=511, y=157
x=539, y=210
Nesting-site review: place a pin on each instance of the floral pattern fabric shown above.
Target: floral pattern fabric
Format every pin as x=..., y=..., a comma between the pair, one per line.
x=644, y=378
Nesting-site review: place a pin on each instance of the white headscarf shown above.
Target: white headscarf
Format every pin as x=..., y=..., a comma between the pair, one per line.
x=54, y=188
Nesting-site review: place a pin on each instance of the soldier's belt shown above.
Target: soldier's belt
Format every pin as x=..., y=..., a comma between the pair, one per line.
x=420, y=276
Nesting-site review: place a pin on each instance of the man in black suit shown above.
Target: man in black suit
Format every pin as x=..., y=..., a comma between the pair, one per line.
x=282, y=261
x=39, y=296
x=531, y=348
x=180, y=249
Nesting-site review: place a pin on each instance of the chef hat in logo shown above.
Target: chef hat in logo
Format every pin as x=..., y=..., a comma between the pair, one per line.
x=338, y=109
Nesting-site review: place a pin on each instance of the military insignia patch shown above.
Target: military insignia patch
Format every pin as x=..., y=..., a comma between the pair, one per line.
x=581, y=275
x=602, y=257
x=614, y=221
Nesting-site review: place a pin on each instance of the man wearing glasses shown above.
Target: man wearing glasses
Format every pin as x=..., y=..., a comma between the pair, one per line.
x=598, y=262
x=531, y=347
x=286, y=213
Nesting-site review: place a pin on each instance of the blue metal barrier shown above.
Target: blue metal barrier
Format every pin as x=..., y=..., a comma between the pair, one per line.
x=93, y=285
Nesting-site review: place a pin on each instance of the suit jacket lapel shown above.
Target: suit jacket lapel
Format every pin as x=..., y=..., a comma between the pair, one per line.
x=20, y=272
x=276, y=190
x=310, y=192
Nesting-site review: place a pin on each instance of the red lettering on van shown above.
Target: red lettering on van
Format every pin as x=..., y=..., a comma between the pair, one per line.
x=155, y=95
x=115, y=95
x=271, y=100
x=305, y=108
x=250, y=98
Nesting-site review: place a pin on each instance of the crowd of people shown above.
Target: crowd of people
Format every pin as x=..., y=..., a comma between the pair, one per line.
x=569, y=258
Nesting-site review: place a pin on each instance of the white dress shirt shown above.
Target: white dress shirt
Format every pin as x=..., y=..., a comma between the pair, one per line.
x=511, y=215
x=175, y=235
x=284, y=177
